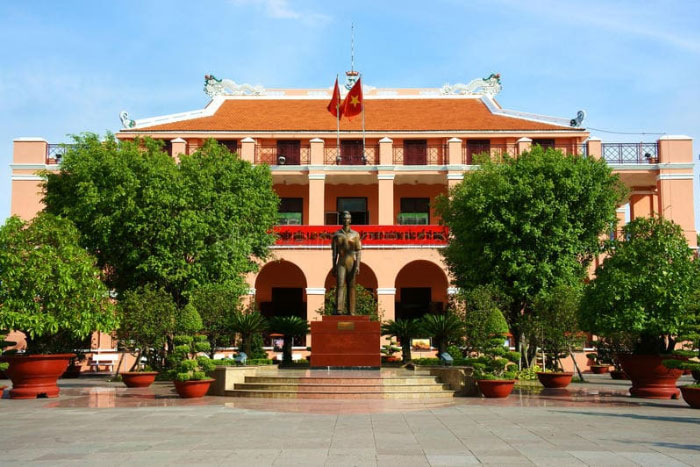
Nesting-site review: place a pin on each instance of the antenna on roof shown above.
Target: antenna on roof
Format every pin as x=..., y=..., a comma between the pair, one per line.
x=352, y=75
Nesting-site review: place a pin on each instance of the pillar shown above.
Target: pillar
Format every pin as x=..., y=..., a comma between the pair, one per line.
x=642, y=202
x=454, y=179
x=454, y=152
x=315, y=300
x=386, y=301
x=316, y=151
x=317, y=201
x=179, y=147
x=386, y=152
x=675, y=183
x=594, y=147
x=523, y=144
x=385, y=199
x=29, y=155
x=248, y=149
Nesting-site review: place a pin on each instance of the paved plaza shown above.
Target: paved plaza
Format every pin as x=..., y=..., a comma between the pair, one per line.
x=94, y=422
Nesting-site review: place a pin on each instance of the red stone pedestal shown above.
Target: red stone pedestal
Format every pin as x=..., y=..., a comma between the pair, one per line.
x=345, y=342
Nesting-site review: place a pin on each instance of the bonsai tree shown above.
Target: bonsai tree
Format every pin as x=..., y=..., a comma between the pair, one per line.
x=148, y=316
x=187, y=364
x=366, y=304
x=248, y=324
x=644, y=288
x=444, y=328
x=216, y=303
x=404, y=330
x=290, y=327
x=50, y=287
x=484, y=323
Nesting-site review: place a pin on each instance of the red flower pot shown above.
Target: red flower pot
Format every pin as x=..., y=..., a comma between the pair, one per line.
x=36, y=375
x=650, y=378
x=192, y=389
x=618, y=374
x=600, y=369
x=496, y=388
x=691, y=395
x=555, y=380
x=139, y=379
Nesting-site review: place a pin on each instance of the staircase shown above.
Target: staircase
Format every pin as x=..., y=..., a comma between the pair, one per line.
x=342, y=385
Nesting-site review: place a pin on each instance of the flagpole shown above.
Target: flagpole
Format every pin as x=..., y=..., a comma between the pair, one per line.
x=337, y=121
x=364, y=154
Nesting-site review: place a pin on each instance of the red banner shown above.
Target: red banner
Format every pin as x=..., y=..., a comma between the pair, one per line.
x=320, y=235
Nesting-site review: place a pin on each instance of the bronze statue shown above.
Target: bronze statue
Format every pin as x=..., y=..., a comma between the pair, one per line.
x=346, y=248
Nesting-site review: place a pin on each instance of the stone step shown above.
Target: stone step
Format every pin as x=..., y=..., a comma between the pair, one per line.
x=340, y=395
x=434, y=387
x=408, y=380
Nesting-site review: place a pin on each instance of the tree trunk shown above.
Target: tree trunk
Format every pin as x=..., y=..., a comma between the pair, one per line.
x=406, y=351
x=136, y=362
x=578, y=370
x=287, y=351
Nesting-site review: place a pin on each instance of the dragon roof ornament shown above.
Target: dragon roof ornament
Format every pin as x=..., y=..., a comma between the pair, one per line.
x=489, y=86
x=226, y=87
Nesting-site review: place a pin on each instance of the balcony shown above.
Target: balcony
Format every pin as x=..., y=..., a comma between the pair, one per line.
x=380, y=235
x=497, y=152
x=55, y=153
x=271, y=155
x=428, y=155
x=630, y=153
x=351, y=156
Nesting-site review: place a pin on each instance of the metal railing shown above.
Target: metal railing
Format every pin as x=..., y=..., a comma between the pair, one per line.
x=332, y=156
x=496, y=152
x=270, y=155
x=572, y=149
x=55, y=152
x=630, y=153
x=434, y=155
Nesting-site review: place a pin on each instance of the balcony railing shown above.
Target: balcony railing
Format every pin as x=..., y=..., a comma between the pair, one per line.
x=630, y=153
x=497, y=152
x=332, y=156
x=55, y=152
x=572, y=149
x=434, y=155
x=312, y=235
x=271, y=156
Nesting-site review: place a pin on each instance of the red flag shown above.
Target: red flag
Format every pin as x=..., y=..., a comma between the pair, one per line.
x=352, y=105
x=334, y=106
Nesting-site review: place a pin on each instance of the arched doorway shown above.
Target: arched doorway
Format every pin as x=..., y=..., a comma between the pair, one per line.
x=421, y=287
x=366, y=278
x=280, y=290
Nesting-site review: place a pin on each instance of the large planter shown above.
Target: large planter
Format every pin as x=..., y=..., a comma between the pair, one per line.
x=618, y=374
x=650, y=378
x=192, y=389
x=138, y=379
x=555, y=380
x=691, y=395
x=600, y=369
x=496, y=388
x=36, y=375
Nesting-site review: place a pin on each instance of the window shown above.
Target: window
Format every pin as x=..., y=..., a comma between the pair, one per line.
x=290, y=211
x=415, y=152
x=415, y=211
x=351, y=152
x=476, y=147
x=357, y=207
x=230, y=144
x=544, y=142
x=288, y=152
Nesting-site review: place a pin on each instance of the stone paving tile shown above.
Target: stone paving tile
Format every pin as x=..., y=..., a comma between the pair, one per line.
x=602, y=458
x=393, y=460
x=436, y=460
x=652, y=459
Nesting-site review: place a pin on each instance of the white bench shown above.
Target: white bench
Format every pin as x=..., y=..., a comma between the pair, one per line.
x=103, y=359
x=295, y=357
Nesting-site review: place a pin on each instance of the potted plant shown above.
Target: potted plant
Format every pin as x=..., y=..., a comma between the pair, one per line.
x=690, y=392
x=191, y=369
x=444, y=328
x=249, y=324
x=290, y=327
x=404, y=330
x=52, y=292
x=147, y=317
x=643, y=290
x=601, y=364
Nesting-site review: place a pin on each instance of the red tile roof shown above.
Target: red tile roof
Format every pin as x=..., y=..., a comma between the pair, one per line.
x=422, y=114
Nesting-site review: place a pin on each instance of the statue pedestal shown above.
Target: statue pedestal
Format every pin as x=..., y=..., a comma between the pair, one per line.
x=345, y=342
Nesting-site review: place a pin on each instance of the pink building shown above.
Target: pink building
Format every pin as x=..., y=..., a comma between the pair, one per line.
x=418, y=143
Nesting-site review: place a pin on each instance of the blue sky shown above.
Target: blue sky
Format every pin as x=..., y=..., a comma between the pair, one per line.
x=70, y=67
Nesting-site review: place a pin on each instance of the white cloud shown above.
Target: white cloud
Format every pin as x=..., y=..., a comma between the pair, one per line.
x=281, y=9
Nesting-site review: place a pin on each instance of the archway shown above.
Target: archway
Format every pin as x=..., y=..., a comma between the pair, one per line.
x=421, y=287
x=366, y=278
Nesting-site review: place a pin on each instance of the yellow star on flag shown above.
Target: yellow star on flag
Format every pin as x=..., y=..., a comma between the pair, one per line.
x=354, y=100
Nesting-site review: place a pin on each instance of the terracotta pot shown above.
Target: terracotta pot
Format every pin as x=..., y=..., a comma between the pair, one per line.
x=496, y=388
x=138, y=379
x=555, y=380
x=36, y=375
x=600, y=369
x=618, y=374
x=691, y=396
x=650, y=379
x=192, y=389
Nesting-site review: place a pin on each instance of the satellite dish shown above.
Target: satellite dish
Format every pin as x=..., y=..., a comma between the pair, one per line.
x=281, y=160
x=580, y=116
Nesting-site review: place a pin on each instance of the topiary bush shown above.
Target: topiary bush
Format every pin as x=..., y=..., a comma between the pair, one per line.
x=187, y=364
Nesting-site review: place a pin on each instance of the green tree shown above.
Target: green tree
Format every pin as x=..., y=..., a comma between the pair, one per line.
x=483, y=319
x=645, y=288
x=148, y=320
x=248, y=324
x=50, y=287
x=150, y=220
x=528, y=224
x=216, y=304
x=404, y=330
x=365, y=305
x=290, y=327
x=445, y=329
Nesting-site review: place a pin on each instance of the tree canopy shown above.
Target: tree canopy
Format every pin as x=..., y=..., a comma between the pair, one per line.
x=529, y=223
x=149, y=219
x=645, y=288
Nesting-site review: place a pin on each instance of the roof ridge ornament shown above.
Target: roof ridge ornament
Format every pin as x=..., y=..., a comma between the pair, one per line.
x=226, y=87
x=489, y=86
x=126, y=121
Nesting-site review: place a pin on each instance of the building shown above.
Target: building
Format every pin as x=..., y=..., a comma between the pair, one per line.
x=417, y=144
